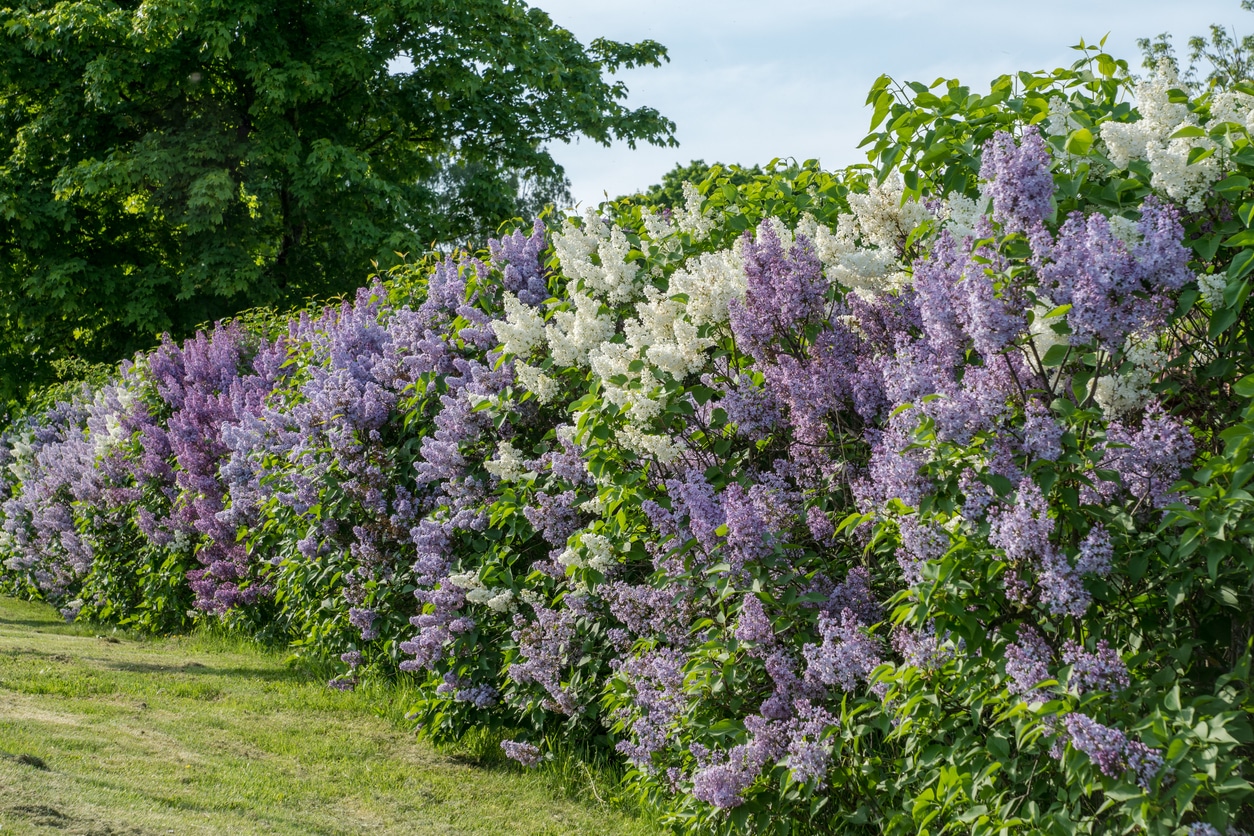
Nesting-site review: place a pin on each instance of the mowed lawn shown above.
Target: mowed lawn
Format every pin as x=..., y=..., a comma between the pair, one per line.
x=105, y=734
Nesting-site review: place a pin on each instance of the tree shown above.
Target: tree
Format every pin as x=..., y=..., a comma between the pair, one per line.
x=169, y=162
x=1231, y=59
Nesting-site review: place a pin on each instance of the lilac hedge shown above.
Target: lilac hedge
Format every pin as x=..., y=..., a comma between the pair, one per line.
x=908, y=498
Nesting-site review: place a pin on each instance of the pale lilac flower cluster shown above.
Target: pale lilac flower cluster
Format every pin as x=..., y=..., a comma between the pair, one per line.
x=657, y=678
x=545, y=646
x=1023, y=532
x=1148, y=460
x=364, y=620
x=1101, y=669
x=1019, y=179
x=921, y=649
x=786, y=290
x=1114, y=290
x=1104, y=745
x=1111, y=750
x=524, y=753
x=518, y=257
x=846, y=655
x=1027, y=661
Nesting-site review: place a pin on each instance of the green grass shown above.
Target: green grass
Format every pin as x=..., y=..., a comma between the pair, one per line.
x=110, y=734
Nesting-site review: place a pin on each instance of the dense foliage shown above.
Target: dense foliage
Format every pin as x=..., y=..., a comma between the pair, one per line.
x=163, y=164
x=906, y=499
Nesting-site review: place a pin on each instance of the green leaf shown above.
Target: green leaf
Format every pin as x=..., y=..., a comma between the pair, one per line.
x=1080, y=141
x=1055, y=355
x=1242, y=264
x=1206, y=246
x=1235, y=185
x=883, y=103
x=1188, y=132
x=1246, y=213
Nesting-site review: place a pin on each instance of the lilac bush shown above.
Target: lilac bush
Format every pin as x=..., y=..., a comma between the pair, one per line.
x=870, y=501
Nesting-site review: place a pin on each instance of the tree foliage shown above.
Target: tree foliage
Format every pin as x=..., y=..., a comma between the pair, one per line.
x=1230, y=58
x=169, y=162
x=669, y=194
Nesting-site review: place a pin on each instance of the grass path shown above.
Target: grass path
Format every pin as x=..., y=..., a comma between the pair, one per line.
x=110, y=736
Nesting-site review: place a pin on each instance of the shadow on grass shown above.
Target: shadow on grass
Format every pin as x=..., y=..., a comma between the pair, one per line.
x=32, y=623
x=197, y=669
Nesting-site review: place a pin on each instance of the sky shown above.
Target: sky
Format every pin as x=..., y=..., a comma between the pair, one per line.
x=750, y=81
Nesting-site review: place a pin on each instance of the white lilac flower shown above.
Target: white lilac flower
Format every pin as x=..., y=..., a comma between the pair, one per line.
x=522, y=330
x=614, y=278
x=883, y=219
x=1150, y=139
x=1061, y=121
x=466, y=580
x=536, y=382
x=1126, y=391
x=573, y=334
x=710, y=281
x=691, y=219
x=1212, y=287
x=1044, y=337
x=662, y=447
x=960, y=214
x=509, y=464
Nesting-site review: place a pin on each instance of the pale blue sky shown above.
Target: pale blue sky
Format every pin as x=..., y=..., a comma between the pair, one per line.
x=749, y=81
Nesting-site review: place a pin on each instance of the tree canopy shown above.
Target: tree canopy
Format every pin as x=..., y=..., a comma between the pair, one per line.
x=167, y=162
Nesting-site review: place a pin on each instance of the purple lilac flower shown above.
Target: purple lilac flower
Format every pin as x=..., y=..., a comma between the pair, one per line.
x=785, y=290
x=1042, y=437
x=1104, y=745
x=754, y=625
x=1150, y=460
x=1061, y=589
x=808, y=754
x=1203, y=829
x=942, y=305
x=822, y=529
x=921, y=649
x=1147, y=763
x=646, y=610
x=1019, y=179
x=974, y=406
x=894, y=471
x=1023, y=532
x=1096, y=553
x=993, y=319
x=920, y=542
x=748, y=536
x=1027, y=661
x=657, y=678
x=854, y=594
x=694, y=497
x=519, y=258
x=846, y=656
x=364, y=620
x=721, y=782
x=1114, y=291
x=753, y=409
x=462, y=690
x=525, y=753
x=343, y=683
x=544, y=648
x=1098, y=670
